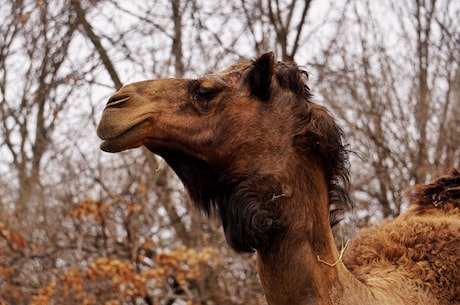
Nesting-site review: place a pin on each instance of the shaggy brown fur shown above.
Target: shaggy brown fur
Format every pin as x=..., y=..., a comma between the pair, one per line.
x=420, y=248
x=251, y=147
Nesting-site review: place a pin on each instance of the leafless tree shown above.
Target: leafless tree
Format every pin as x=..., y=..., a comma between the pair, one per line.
x=394, y=92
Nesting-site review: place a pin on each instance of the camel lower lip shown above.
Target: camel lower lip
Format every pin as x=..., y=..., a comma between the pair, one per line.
x=111, y=146
x=126, y=140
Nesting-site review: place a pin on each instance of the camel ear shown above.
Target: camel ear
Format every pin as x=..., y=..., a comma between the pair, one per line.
x=260, y=76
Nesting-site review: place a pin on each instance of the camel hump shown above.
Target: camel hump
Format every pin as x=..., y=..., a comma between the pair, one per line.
x=442, y=192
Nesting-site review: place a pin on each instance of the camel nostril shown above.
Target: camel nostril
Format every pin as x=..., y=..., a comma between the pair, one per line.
x=116, y=100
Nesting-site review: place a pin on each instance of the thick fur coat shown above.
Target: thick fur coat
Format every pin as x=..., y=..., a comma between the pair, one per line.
x=419, y=249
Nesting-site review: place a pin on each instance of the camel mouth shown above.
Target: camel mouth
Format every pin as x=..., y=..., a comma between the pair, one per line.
x=117, y=140
x=120, y=143
x=136, y=136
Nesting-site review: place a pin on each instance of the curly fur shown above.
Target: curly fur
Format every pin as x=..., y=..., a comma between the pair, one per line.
x=419, y=250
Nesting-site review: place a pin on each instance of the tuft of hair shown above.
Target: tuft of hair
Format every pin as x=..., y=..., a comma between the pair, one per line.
x=438, y=193
x=290, y=76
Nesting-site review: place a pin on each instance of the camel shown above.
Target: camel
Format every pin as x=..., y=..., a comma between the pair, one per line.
x=251, y=147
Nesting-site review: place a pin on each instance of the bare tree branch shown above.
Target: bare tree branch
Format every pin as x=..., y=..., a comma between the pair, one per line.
x=97, y=43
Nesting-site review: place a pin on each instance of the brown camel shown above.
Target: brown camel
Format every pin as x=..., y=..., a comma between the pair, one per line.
x=250, y=146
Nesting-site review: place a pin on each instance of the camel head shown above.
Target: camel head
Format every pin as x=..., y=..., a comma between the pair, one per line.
x=233, y=138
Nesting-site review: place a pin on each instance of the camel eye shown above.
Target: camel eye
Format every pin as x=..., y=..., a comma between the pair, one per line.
x=206, y=94
x=203, y=91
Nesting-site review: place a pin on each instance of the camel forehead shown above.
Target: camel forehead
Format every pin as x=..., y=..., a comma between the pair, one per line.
x=238, y=67
x=234, y=72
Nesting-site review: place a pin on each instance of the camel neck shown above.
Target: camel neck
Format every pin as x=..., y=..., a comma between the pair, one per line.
x=303, y=267
x=291, y=273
